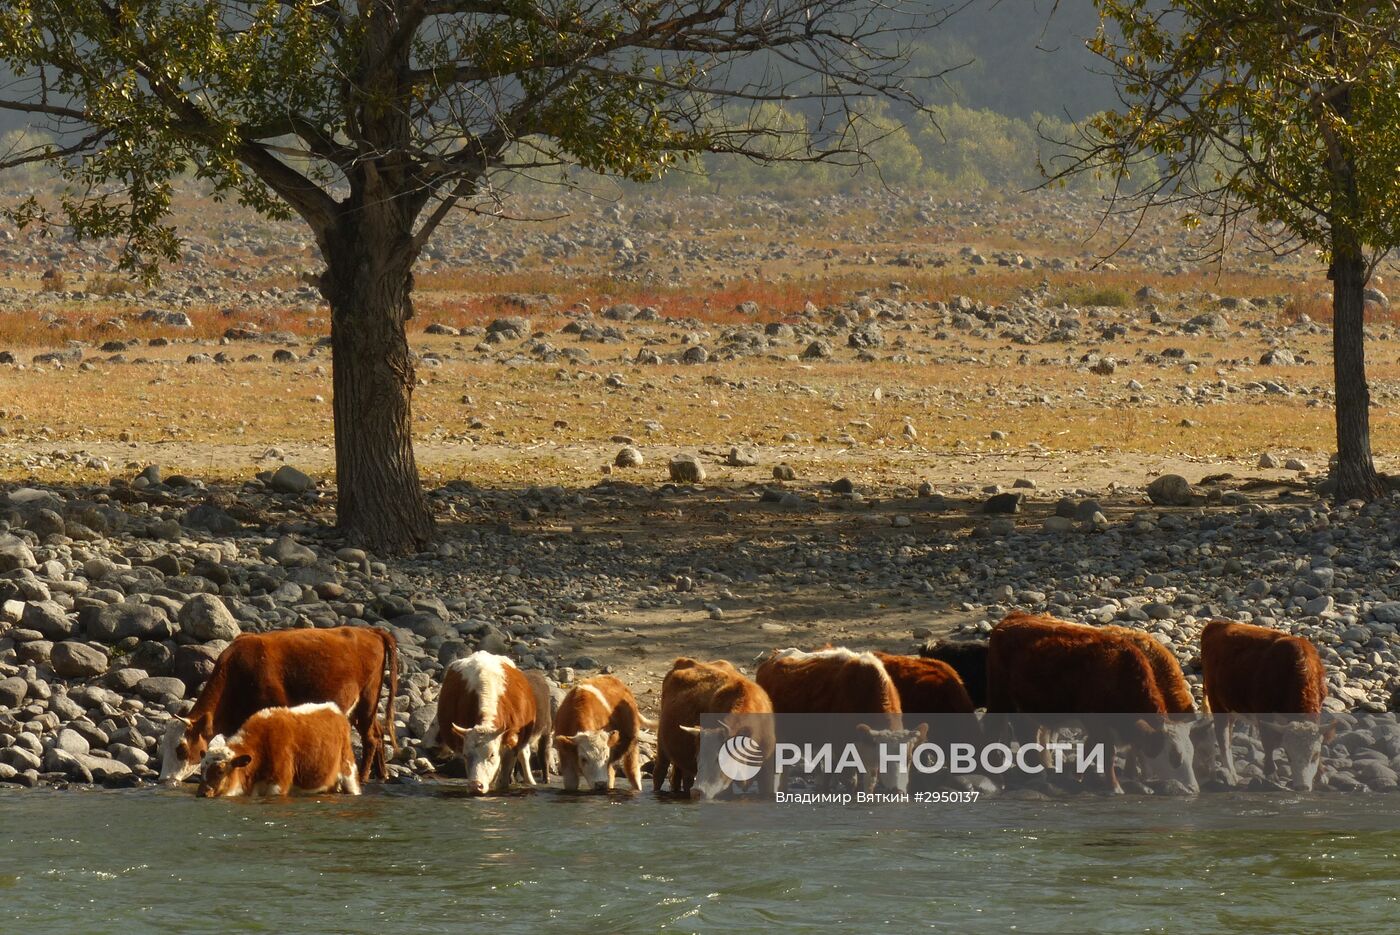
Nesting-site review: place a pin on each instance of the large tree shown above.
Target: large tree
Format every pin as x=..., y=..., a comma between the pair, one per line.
x=1277, y=118
x=371, y=120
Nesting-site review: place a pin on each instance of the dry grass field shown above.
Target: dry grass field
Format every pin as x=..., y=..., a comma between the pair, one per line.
x=503, y=419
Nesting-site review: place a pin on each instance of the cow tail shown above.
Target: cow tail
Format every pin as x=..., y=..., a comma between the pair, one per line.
x=391, y=653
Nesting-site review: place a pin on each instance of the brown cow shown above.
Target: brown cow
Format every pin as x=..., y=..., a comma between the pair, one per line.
x=1254, y=670
x=342, y=665
x=926, y=686
x=1166, y=670
x=486, y=714
x=595, y=731
x=280, y=750
x=838, y=681
x=690, y=751
x=1039, y=665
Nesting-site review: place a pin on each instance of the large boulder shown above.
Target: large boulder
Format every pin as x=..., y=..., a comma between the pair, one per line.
x=205, y=617
x=74, y=660
x=288, y=479
x=194, y=664
x=113, y=623
x=15, y=554
x=1171, y=490
x=48, y=618
x=687, y=469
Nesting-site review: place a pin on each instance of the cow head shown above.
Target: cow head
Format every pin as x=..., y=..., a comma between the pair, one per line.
x=1168, y=751
x=182, y=747
x=594, y=751
x=1302, y=744
x=221, y=770
x=891, y=775
x=711, y=780
x=481, y=754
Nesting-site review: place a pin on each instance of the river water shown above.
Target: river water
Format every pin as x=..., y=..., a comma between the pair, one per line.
x=427, y=860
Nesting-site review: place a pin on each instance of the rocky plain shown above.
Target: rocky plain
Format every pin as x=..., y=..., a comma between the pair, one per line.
x=655, y=426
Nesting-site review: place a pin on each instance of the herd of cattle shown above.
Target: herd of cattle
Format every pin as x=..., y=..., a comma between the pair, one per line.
x=276, y=713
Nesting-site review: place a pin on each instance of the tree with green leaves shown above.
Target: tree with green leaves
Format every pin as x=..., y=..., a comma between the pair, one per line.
x=373, y=120
x=1276, y=119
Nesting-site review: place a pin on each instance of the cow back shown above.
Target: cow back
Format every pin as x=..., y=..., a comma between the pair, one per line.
x=926, y=686
x=835, y=681
x=1042, y=665
x=1255, y=670
x=286, y=668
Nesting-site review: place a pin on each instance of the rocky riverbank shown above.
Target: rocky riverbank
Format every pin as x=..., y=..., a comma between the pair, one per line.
x=116, y=599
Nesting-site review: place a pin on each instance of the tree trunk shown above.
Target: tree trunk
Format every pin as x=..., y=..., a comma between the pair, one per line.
x=368, y=282
x=1356, y=472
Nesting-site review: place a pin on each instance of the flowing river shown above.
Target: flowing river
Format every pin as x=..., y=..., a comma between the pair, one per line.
x=425, y=859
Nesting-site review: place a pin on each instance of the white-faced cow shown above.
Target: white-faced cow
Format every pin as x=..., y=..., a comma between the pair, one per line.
x=861, y=703
x=344, y=666
x=596, y=731
x=1279, y=678
x=487, y=715
x=1042, y=666
x=283, y=750
x=690, y=752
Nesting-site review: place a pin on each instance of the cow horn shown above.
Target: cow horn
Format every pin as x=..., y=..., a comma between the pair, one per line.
x=690, y=730
x=459, y=731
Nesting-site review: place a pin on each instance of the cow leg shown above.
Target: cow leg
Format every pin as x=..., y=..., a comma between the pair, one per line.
x=1225, y=749
x=526, y=771
x=507, y=770
x=349, y=783
x=659, y=768
x=632, y=766
x=542, y=754
x=1268, y=738
x=568, y=768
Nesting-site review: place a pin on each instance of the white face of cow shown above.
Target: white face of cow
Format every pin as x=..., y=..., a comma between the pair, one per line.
x=218, y=771
x=1168, y=753
x=891, y=772
x=481, y=753
x=710, y=780
x=1302, y=744
x=594, y=749
x=179, y=754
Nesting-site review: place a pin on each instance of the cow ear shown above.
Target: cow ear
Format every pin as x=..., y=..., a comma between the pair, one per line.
x=561, y=742
x=922, y=731
x=613, y=738
x=1153, y=740
x=690, y=730
x=863, y=729
x=240, y=761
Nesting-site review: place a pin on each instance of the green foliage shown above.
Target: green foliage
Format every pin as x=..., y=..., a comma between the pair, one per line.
x=1284, y=108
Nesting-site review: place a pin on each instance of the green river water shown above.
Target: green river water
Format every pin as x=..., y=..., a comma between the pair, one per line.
x=424, y=860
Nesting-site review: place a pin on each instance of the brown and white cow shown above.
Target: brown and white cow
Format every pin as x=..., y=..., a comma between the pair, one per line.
x=595, y=731
x=838, y=681
x=1042, y=666
x=487, y=715
x=278, y=751
x=1253, y=670
x=688, y=751
x=344, y=666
